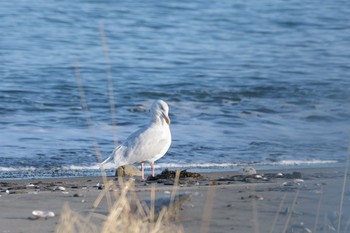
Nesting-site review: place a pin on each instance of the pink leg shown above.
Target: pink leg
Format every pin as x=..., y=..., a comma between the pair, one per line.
x=152, y=167
x=142, y=171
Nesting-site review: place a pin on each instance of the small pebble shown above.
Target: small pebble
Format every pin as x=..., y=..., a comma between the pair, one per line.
x=287, y=184
x=298, y=181
x=10, y=191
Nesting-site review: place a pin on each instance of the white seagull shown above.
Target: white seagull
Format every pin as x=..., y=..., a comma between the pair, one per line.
x=147, y=144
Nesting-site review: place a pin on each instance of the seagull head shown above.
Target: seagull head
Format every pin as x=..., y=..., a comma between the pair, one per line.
x=160, y=110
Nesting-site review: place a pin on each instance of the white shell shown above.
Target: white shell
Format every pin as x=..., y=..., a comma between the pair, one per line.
x=43, y=214
x=248, y=171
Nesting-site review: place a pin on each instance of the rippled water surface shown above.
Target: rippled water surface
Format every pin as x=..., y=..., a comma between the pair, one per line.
x=262, y=82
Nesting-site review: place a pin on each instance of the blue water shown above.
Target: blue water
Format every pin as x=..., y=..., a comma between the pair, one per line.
x=263, y=82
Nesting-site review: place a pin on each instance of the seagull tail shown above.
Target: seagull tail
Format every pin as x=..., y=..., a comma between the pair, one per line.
x=111, y=157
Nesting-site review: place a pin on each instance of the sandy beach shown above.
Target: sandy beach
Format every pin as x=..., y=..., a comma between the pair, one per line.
x=290, y=200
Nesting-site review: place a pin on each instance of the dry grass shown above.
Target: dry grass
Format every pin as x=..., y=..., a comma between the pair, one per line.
x=127, y=214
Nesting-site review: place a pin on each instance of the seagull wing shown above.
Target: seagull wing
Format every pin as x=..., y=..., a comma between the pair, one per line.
x=147, y=145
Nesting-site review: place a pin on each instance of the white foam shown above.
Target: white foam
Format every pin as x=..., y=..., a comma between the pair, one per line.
x=185, y=166
x=227, y=165
x=303, y=162
x=13, y=169
x=7, y=169
x=195, y=165
x=76, y=167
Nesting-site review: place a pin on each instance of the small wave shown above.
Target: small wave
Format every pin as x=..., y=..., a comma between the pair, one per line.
x=109, y=166
x=227, y=165
x=13, y=169
x=303, y=162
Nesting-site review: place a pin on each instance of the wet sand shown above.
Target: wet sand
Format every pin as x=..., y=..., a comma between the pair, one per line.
x=302, y=200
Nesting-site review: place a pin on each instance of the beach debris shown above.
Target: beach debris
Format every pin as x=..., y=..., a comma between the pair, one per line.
x=167, y=174
x=293, y=175
x=30, y=185
x=43, y=214
x=4, y=184
x=293, y=183
x=127, y=170
x=78, y=195
x=99, y=186
x=249, y=171
x=9, y=191
x=255, y=196
x=59, y=188
x=298, y=228
x=298, y=181
x=254, y=178
x=287, y=183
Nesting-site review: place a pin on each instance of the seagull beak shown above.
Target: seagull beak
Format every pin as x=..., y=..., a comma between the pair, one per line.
x=167, y=119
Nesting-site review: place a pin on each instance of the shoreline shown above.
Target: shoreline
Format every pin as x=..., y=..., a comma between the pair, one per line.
x=32, y=173
x=306, y=196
